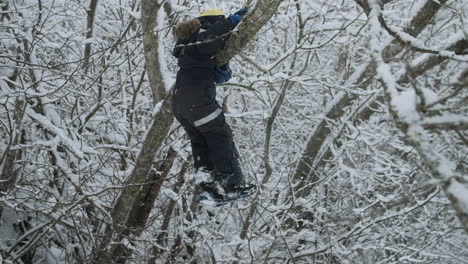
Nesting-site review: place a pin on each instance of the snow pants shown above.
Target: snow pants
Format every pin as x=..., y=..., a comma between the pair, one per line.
x=213, y=148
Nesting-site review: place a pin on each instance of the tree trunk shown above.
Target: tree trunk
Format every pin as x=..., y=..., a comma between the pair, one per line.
x=141, y=209
x=128, y=205
x=149, y=13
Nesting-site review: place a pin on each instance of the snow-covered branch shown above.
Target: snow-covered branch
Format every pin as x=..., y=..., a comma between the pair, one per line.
x=403, y=105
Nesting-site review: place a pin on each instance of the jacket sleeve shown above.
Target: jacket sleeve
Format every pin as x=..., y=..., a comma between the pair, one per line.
x=210, y=39
x=178, y=51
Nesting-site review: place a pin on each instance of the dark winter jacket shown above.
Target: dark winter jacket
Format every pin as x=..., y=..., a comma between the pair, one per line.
x=194, y=84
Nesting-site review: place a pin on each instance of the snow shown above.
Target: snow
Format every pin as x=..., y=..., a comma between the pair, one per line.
x=51, y=114
x=460, y=193
x=134, y=14
x=89, y=41
x=405, y=103
x=75, y=146
x=446, y=119
x=430, y=96
x=115, y=137
x=126, y=243
x=157, y=108
x=408, y=38
x=453, y=55
x=55, y=255
x=252, y=114
x=7, y=232
x=209, y=203
x=446, y=168
x=171, y=194
x=200, y=176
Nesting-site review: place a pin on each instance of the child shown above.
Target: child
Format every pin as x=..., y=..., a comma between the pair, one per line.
x=195, y=106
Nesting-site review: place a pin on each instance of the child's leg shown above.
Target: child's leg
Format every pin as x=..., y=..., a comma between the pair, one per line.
x=200, y=152
x=222, y=151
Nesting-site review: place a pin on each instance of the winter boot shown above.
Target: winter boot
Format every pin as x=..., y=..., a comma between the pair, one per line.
x=215, y=195
x=234, y=192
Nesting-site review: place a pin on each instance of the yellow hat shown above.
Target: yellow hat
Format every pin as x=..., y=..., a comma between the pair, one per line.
x=213, y=12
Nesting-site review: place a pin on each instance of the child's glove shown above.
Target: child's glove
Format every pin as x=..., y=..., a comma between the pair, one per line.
x=242, y=12
x=222, y=74
x=236, y=17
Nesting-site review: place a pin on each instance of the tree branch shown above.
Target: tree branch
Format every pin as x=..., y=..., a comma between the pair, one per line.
x=251, y=24
x=318, y=140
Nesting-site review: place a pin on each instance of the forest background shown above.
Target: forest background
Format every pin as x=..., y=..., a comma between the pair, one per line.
x=350, y=116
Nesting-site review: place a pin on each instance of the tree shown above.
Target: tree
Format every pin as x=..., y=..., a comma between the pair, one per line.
x=414, y=120
x=134, y=197
x=96, y=169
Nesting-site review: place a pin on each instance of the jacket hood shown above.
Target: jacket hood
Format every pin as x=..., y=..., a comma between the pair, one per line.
x=186, y=29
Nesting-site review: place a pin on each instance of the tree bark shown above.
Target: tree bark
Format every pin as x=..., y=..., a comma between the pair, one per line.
x=141, y=209
x=91, y=12
x=161, y=239
x=149, y=12
x=9, y=157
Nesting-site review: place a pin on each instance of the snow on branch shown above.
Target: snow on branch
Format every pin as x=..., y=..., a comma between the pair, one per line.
x=28, y=239
x=76, y=148
x=403, y=106
x=417, y=45
x=446, y=122
x=365, y=224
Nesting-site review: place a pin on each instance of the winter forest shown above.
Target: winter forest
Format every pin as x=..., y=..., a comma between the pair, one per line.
x=349, y=116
